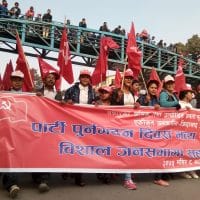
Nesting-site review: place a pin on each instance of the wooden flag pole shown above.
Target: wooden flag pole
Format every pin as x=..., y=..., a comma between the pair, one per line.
x=143, y=81
x=125, y=60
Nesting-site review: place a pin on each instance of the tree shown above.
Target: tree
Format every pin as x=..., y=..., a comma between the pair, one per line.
x=180, y=48
x=193, y=44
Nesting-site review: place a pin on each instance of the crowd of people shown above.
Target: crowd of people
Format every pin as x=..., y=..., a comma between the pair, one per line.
x=143, y=36
x=82, y=92
x=15, y=12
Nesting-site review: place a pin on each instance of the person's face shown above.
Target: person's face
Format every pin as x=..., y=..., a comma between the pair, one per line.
x=17, y=83
x=170, y=86
x=104, y=95
x=50, y=80
x=136, y=87
x=153, y=88
x=128, y=81
x=189, y=96
x=85, y=80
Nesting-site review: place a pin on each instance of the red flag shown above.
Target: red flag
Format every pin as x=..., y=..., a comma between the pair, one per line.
x=180, y=82
x=133, y=53
x=99, y=73
x=1, y=83
x=118, y=79
x=64, y=60
x=23, y=66
x=6, y=76
x=44, y=70
x=154, y=76
x=181, y=61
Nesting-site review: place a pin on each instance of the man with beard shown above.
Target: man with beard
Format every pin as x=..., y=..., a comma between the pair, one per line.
x=47, y=91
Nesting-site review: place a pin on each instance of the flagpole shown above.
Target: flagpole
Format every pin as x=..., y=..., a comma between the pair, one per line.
x=143, y=81
x=125, y=60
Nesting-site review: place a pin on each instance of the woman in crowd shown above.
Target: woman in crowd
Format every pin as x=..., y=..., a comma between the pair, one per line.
x=125, y=96
x=105, y=93
x=151, y=99
x=168, y=99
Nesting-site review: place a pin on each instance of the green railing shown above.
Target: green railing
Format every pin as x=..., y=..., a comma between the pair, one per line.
x=84, y=46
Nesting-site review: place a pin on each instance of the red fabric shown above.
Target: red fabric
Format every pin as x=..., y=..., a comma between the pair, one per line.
x=87, y=138
x=1, y=83
x=180, y=81
x=44, y=70
x=23, y=66
x=154, y=76
x=99, y=73
x=118, y=79
x=133, y=53
x=181, y=61
x=6, y=76
x=64, y=60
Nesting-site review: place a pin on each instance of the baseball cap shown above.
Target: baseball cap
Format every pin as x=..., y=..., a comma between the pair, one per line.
x=129, y=73
x=105, y=88
x=55, y=73
x=17, y=73
x=168, y=78
x=85, y=72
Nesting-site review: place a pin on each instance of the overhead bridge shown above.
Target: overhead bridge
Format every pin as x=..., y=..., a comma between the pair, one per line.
x=85, y=45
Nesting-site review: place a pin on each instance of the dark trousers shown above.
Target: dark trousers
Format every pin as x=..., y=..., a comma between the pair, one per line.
x=9, y=179
x=157, y=176
x=163, y=176
x=40, y=177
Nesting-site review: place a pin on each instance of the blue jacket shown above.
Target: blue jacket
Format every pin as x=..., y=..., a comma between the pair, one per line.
x=167, y=100
x=73, y=93
x=153, y=101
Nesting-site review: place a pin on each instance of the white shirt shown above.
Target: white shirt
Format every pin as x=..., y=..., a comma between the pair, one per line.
x=49, y=94
x=128, y=99
x=184, y=104
x=83, y=98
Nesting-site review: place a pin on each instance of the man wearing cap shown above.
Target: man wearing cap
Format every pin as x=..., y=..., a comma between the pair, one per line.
x=81, y=93
x=10, y=180
x=17, y=80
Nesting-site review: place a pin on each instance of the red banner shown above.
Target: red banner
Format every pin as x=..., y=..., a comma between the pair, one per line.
x=38, y=134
